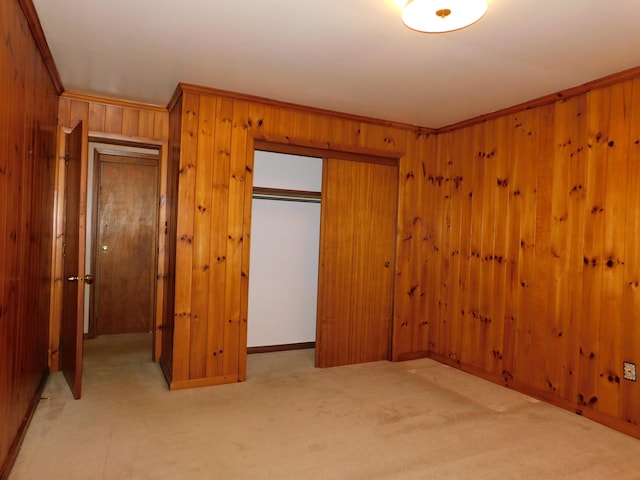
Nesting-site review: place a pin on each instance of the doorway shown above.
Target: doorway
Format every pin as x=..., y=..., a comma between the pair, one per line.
x=123, y=240
x=285, y=226
x=355, y=259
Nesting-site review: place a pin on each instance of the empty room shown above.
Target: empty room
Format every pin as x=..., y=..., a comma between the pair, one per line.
x=344, y=240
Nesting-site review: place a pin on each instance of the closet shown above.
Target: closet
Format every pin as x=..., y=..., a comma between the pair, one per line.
x=213, y=141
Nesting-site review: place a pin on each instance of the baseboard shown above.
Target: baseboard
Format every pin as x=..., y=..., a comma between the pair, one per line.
x=404, y=357
x=606, y=420
x=281, y=348
x=12, y=454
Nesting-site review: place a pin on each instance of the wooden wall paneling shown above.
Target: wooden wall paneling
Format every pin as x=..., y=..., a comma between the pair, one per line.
x=498, y=256
x=441, y=321
x=218, y=237
x=201, y=234
x=184, y=244
x=79, y=112
x=411, y=289
x=577, y=215
x=160, y=125
x=436, y=235
x=27, y=162
x=470, y=347
x=113, y=119
x=271, y=120
x=432, y=235
x=237, y=265
x=301, y=125
x=8, y=249
x=97, y=117
x=542, y=351
x=257, y=113
x=13, y=240
x=609, y=360
x=466, y=162
x=541, y=133
x=146, y=123
x=511, y=249
x=488, y=287
x=559, y=334
x=64, y=112
x=449, y=244
x=598, y=107
x=454, y=284
x=525, y=150
x=27, y=331
x=130, y=122
x=416, y=267
x=630, y=321
x=406, y=286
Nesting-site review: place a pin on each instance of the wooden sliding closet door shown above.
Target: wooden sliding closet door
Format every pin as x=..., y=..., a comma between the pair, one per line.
x=357, y=251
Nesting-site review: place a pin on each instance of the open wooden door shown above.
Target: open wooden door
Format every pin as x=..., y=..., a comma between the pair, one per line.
x=72, y=325
x=357, y=252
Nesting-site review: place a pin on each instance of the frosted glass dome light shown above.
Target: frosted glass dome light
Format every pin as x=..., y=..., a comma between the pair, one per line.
x=437, y=16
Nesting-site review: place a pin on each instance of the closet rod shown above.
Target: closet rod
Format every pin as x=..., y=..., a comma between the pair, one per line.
x=281, y=194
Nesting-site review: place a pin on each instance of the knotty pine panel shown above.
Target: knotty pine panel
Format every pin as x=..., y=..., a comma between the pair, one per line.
x=548, y=298
x=107, y=116
x=27, y=167
x=214, y=185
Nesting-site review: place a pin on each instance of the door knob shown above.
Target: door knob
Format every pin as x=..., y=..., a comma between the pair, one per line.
x=87, y=278
x=104, y=248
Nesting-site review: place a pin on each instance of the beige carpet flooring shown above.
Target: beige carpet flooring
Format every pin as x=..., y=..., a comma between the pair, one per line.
x=411, y=420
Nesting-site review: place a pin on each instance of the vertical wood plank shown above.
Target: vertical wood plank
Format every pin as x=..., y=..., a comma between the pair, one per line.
x=235, y=239
x=609, y=360
x=113, y=119
x=97, y=117
x=130, y=119
x=146, y=121
x=218, y=238
x=201, y=232
x=630, y=324
x=185, y=231
x=467, y=159
x=470, y=347
x=598, y=106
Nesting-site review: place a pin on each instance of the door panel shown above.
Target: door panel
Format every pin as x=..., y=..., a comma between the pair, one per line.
x=72, y=324
x=357, y=251
x=126, y=243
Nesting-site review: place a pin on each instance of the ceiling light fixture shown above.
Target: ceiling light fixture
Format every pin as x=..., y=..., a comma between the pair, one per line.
x=437, y=16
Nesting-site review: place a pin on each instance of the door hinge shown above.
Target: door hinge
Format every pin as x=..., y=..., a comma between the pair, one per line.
x=66, y=158
x=64, y=249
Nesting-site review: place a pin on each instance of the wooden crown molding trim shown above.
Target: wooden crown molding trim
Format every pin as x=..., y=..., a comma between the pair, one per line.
x=90, y=98
x=196, y=89
x=41, y=43
x=548, y=99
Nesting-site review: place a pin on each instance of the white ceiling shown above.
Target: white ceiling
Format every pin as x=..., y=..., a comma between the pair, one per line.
x=353, y=56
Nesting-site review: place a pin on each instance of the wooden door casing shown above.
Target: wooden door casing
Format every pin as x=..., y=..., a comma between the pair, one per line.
x=72, y=324
x=356, y=271
x=125, y=242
